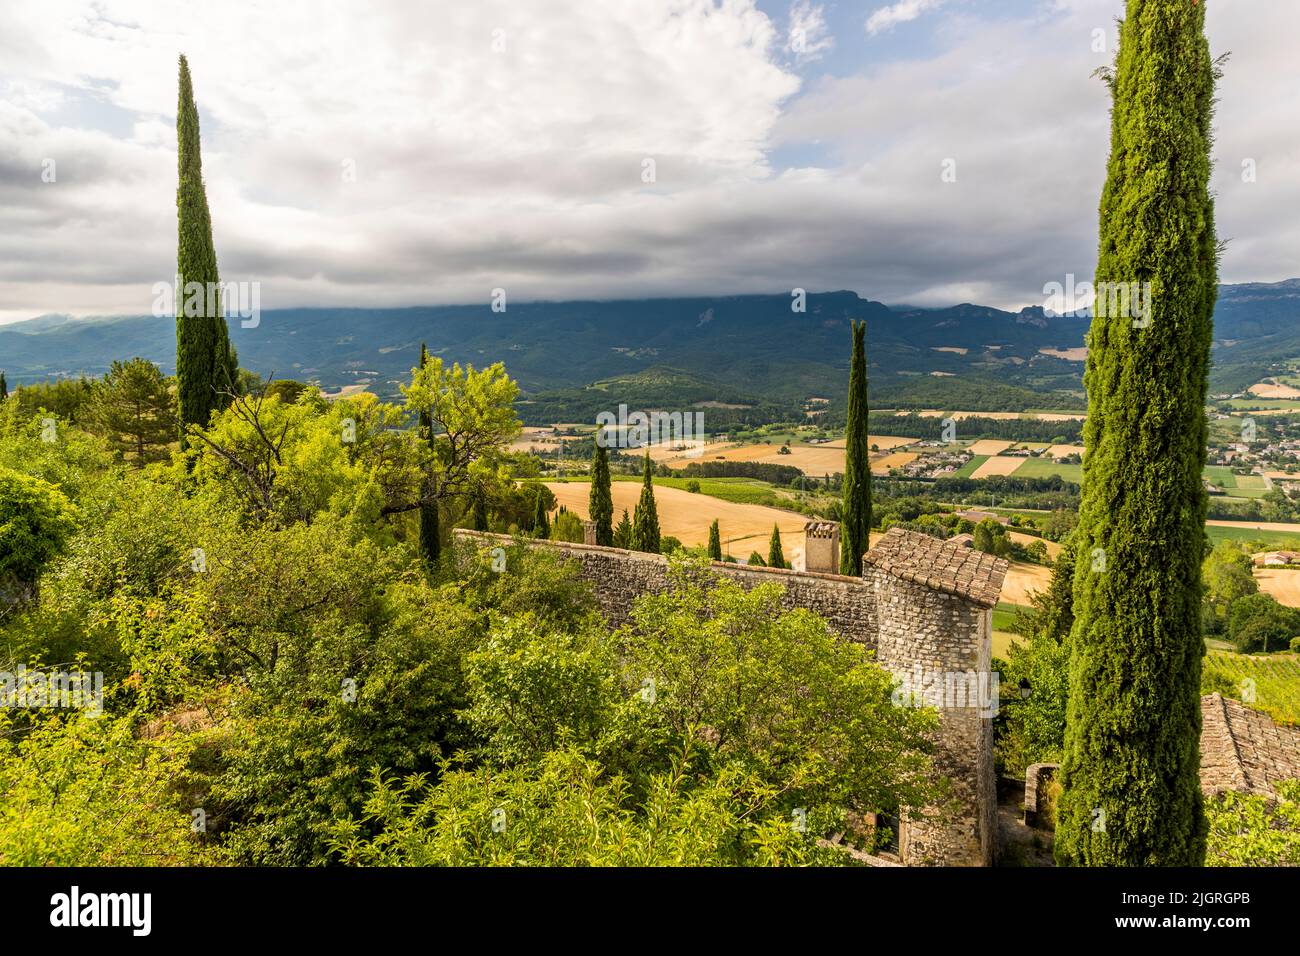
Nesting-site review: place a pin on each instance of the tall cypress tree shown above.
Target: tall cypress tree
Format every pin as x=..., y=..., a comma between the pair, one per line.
x=4, y=387
x=600, y=504
x=1130, y=772
x=430, y=531
x=715, y=541
x=645, y=520
x=775, y=556
x=541, y=520
x=206, y=367
x=855, y=530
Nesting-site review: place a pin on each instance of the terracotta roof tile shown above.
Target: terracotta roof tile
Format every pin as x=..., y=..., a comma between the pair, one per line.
x=941, y=565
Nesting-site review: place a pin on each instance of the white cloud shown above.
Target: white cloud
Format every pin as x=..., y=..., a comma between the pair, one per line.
x=523, y=168
x=808, y=37
x=901, y=12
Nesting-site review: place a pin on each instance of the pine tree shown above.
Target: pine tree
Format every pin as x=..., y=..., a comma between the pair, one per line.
x=206, y=368
x=541, y=520
x=600, y=505
x=1130, y=770
x=430, y=525
x=855, y=531
x=132, y=407
x=775, y=556
x=645, y=520
x=715, y=541
x=623, y=532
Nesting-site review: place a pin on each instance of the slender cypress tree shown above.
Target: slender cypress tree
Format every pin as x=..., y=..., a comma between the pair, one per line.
x=855, y=530
x=775, y=556
x=430, y=532
x=1130, y=771
x=601, y=502
x=541, y=520
x=645, y=520
x=623, y=532
x=206, y=368
x=715, y=541
x=4, y=387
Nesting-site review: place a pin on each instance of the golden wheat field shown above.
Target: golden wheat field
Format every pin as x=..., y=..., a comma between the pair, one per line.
x=1273, y=389
x=998, y=465
x=1022, y=579
x=989, y=446
x=687, y=516
x=895, y=459
x=1282, y=583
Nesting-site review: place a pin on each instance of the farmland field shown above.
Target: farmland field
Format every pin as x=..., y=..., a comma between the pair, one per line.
x=1238, y=531
x=968, y=469
x=893, y=460
x=1276, y=677
x=1023, y=579
x=989, y=446
x=1045, y=468
x=1282, y=583
x=1064, y=451
x=998, y=465
x=687, y=516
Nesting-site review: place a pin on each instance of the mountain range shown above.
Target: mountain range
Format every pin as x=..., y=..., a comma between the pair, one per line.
x=751, y=350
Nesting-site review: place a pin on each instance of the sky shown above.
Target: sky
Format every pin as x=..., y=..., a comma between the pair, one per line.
x=927, y=152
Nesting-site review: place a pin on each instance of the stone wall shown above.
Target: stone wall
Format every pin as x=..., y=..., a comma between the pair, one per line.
x=923, y=613
x=618, y=576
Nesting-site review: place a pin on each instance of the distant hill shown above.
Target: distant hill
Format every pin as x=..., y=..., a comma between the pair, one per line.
x=730, y=350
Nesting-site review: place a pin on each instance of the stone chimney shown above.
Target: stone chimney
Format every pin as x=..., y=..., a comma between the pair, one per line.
x=589, y=532
x=821, y=547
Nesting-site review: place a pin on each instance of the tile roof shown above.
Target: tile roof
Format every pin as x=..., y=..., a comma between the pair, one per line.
x=1243, y=749
x=941, y=565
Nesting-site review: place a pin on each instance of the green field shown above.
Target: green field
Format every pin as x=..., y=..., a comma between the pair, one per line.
x=1267, y=404
x=1046, y=467
x=1276, y=677
x=968, y=469
x=1267, y=539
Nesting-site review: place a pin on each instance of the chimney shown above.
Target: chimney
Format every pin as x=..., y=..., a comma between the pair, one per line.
x=821, y=547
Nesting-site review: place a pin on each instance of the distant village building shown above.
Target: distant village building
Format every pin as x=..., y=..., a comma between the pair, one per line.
x=1274, y=559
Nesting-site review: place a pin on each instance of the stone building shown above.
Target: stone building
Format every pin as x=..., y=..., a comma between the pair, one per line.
x=923, y=605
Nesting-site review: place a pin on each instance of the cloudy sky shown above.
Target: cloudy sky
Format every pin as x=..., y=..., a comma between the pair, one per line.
x=398, y=153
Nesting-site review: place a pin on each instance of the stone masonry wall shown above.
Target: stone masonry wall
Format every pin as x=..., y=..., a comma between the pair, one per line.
x=618, y=576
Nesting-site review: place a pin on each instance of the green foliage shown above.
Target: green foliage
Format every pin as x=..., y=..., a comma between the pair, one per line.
x=715, y=541
x=36, y=520
x=600, y=503
x=541, y=520
x=1253, y=830
x=133, y=408
x=1133, y=721
x=690, y=737
x=568, y=527
x=991, y=537
x=645, y=520
x=1257, y=622
x=85, y=791
x=1033, y=730
x=855, y=524
x=206, y=367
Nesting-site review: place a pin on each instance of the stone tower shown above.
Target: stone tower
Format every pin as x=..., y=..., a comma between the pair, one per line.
x=821, y=548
